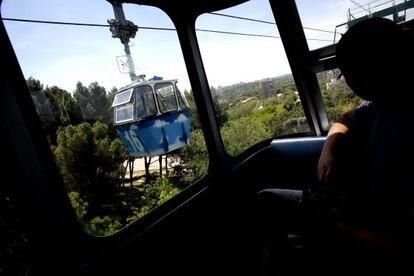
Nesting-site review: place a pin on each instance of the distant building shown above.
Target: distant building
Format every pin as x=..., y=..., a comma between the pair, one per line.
x=331, y=80
x=220, y=90
x=248, y=99
x=267, y=88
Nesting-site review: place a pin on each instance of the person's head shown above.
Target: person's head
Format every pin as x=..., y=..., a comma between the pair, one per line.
x=373, y=56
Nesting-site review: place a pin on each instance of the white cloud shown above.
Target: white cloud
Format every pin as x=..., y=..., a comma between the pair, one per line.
x=160, y=123
x=181, y=118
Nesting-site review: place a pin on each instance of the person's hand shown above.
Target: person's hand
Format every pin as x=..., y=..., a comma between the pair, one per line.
x=327, y=158
x=371, y=238
x=325, y=164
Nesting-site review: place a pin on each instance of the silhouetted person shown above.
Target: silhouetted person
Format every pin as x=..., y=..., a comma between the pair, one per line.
x=369, y=151
x=366, y=207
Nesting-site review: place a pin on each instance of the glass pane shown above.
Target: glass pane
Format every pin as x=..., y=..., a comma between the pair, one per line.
x=324, y=22
x=337, y=96
x=181, y=99
x=251, y=83
x=73, y=74
x=122, y=97
x=144, y=102
x=166, y=97
x=124, y=113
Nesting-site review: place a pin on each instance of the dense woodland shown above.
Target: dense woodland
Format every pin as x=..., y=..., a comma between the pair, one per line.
x=91, y=157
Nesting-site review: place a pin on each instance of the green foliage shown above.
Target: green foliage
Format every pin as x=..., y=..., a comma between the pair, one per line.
x=195, y=120
x=64, y=107
x=338, y=99
x=90, y=156
x=257, y=119
x=103, y=226
x=89, y=160
x=220, y=112
x=93, y=102
x=39, y=98
x=252, y=117
x=240, y=134
x=79, y=205
x=193, y=159
x=55, y=107
x=156, y=193
x=98, y=226
x=238, y=92
x=243, y=109
x=221, y=115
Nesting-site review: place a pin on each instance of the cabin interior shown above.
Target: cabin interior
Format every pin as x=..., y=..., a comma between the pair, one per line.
x=218, y=225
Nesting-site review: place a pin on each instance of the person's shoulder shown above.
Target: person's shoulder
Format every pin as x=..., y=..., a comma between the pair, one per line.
x=366, y=111
x=365, y=105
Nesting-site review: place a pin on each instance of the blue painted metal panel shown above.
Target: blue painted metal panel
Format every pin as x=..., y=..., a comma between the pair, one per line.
x=158, y=135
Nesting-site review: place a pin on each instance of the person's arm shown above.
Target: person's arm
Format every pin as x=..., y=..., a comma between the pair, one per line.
x=339, y=128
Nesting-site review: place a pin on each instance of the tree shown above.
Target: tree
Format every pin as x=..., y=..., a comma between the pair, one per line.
x=193, y=159
x=64, y=107
x=243, y=109
x=111, y=96
x=89, y=160
x=221, y=114
x=243, y=133
x=55, y=107
x=195, y=120
x=156, y=192
x=93, y=102
x=338, y=99
x=39, y=98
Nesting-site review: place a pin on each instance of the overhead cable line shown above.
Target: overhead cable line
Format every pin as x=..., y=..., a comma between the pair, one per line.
x=250, y=34
x=264, y=21
x=359, y=5
x=54, y=22
x=367, y=4
x=142, y=28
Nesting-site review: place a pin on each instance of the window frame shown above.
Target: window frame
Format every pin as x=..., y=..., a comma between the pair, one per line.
x=125, y=106
x=180, y=95
x=159, y=101
x=136, y=101
x=131, y=92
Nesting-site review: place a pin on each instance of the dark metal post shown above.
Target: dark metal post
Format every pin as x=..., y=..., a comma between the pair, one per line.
x=296, y=47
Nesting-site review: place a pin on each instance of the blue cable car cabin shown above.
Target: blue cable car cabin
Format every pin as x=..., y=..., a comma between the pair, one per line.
x=152, y=117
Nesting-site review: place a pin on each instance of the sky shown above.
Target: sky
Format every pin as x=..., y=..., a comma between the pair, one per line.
x=63, y=55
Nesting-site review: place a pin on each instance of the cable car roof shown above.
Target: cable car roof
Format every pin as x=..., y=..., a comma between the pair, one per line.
x=151, y=83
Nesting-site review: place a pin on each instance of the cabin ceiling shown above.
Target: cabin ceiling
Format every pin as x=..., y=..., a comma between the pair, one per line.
x=195, y=7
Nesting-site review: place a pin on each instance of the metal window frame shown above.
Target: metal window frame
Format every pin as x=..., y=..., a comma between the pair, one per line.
x=154, y=102
x=131, y=90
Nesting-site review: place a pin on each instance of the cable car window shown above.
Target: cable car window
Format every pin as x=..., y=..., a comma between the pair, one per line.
x=118, y=154
x=124, y=113
x=144, y=102
x=166, y=97
x=122, y=97
x=181, y=99
x=252, y=87
x=337, y=96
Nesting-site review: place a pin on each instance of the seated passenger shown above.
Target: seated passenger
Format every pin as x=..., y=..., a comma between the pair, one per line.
x=366, y=207
x=368, y=151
